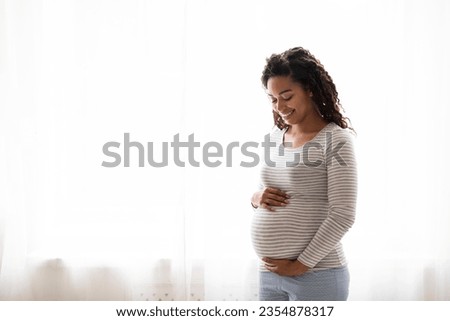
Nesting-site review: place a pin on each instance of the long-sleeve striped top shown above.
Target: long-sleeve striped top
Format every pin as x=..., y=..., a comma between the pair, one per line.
x=321, y=178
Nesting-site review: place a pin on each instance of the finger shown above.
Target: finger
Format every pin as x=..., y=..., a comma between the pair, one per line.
x=271, y=203
x=267, y=260
x=270, y=265
x=276, y=200
x=272, y=268
x=277, y=191
x=267, y=207
x=275, y=197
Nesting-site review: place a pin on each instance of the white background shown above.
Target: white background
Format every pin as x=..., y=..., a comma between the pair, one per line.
x=77, y=74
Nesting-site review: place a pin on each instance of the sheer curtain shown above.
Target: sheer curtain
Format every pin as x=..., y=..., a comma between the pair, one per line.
x=75, y=75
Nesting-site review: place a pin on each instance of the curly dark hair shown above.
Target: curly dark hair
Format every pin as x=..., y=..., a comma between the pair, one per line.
x=305, y=69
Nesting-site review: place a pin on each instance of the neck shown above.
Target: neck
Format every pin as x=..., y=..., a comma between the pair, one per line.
x=308, y=126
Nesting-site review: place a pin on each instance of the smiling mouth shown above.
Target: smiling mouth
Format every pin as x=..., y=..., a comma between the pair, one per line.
x=288, y=114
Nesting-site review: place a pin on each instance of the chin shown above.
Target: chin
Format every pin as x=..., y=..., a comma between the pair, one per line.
x=290, y=122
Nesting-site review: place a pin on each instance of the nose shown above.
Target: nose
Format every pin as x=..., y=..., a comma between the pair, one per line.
x=279, y=106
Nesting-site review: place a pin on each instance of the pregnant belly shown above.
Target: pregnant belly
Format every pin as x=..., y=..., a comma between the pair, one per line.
x=285, y=233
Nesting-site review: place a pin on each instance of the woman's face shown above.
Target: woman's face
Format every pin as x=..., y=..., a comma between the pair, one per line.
x=290, y=100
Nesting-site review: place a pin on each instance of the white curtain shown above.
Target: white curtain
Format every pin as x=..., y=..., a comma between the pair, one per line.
x=75, y=75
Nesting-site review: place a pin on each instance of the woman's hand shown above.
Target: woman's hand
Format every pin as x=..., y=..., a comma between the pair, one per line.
x=270, y=197
x=285, y=267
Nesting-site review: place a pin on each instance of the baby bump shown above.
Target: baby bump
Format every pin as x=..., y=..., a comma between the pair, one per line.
x=286, y=232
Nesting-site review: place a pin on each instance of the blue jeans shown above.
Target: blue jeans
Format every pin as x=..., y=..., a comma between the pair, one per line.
x=324, y=285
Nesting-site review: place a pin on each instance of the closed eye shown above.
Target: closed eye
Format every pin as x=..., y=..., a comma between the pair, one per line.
x=285, y=99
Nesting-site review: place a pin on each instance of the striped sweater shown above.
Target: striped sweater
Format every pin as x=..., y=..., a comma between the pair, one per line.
x=321, y=179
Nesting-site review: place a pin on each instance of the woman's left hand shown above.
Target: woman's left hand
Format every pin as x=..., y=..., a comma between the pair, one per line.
x=285, y=267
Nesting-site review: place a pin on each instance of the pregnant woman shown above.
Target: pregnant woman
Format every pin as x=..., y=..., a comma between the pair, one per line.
x=307, y=197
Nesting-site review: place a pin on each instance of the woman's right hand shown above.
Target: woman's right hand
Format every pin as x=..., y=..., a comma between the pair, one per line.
x=270, y=197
